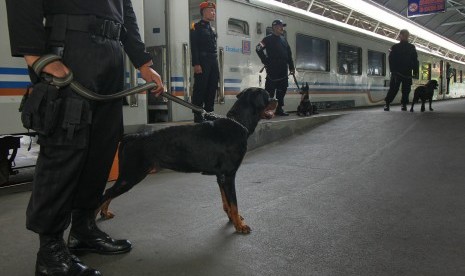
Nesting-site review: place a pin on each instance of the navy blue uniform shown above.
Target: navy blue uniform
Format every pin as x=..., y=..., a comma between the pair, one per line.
x=73, y=165
x=276, y=55
x=403, y=59
x=204, y=53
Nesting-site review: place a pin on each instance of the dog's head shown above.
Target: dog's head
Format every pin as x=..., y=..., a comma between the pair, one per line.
x=433, y=84
x=304, y=90
x=252, y=105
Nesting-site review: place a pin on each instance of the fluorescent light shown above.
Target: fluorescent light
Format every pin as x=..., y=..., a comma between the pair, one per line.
x=400, y=22
x=380, y=15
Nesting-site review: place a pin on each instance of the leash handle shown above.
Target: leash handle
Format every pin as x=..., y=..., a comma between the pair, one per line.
x=40, y=64
x=295, y=80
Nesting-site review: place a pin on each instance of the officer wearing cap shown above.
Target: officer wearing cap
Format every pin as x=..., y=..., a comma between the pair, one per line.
x=74, y=161
x=204, y=60
x=276, y=55
x=403, y=60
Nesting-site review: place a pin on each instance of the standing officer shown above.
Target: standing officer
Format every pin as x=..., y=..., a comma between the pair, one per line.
x=403, y=59
x=276, y=55
x=204, y=60
x=74, y=161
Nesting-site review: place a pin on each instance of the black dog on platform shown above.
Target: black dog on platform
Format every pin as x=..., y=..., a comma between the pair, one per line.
x=423, y=93
x=306, y=108
x=214, y=147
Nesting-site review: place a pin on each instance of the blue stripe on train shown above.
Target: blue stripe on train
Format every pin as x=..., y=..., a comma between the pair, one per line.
x=14, y=84
x=13, y=71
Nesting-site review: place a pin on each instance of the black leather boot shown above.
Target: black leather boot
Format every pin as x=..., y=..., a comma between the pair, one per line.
x=54, y=259
x=85, y=237
x=281, y=112
x=198, y=118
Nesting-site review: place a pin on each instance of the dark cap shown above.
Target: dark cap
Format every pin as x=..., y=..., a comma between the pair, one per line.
x=207, y=4
x=278, y=22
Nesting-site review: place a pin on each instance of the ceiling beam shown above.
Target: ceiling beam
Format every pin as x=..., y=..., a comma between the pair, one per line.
x=453, y=23
x=453, y=8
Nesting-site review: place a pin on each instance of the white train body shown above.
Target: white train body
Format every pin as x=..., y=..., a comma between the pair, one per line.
x=241, y=25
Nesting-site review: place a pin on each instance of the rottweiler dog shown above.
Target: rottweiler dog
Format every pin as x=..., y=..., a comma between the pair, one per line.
x=306, y=108
x=423, y=93
x=214, y=147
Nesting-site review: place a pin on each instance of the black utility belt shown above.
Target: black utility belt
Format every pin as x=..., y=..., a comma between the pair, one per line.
x=85, y=23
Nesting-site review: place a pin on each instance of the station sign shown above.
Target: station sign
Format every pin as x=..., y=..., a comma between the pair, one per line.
x=425, y=7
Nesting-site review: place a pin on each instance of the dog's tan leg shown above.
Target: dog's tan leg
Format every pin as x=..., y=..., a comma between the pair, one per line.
x=238, y=220
x=226, y=208
x=104, y=212
x=225, y=204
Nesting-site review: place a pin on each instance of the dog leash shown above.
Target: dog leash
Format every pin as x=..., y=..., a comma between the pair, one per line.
x=296, y=82
x=43, y=61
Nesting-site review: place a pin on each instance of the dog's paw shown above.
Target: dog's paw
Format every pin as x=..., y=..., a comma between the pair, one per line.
x=243, y=228
x=107, y=214
x=431, y=109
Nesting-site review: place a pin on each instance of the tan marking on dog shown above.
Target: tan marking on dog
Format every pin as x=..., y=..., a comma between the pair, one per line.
x=238, y=221
x=104, y=212
x=225, y=204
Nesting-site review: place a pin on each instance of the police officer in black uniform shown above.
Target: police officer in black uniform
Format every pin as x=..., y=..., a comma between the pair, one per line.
x=204, y=60
x=74, y=161
x=403, y=59
x=276, y=55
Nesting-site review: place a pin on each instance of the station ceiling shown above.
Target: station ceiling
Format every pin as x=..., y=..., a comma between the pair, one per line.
x=450, y=24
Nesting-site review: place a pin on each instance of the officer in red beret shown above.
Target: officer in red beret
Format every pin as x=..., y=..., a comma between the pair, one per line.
x=204, y=60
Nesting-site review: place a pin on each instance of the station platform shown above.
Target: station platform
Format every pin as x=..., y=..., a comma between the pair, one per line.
x=367, y=193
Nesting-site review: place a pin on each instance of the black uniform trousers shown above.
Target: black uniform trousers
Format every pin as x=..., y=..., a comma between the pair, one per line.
x=278, y=87
x=206, y=83
x=73, y=167
x=394, y=86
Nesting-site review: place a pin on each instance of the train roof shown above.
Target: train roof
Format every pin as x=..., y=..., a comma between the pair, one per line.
x=368, y=19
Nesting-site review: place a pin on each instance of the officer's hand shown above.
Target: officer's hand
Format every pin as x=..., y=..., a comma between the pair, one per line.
x=150, y=75
x=198, y=69
x=56, y=68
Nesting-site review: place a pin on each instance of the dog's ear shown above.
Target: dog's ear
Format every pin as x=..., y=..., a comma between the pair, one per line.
x=262, y=98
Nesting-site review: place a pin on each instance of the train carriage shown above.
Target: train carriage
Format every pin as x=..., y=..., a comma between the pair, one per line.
x=344, y=66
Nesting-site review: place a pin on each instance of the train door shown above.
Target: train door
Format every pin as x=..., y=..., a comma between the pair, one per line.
x=157, y=107
x=441, y=78
x=156, y=37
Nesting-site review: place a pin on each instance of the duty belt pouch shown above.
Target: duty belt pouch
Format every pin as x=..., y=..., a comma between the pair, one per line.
x=73, y=118
x=40, y=108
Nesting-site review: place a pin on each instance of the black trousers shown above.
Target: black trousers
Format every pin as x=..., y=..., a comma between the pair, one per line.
x=206, y=84
x=73, y=167
x=394, y=86
x=278, y=87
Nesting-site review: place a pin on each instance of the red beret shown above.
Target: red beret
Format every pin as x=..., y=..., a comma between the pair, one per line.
x=207, y=4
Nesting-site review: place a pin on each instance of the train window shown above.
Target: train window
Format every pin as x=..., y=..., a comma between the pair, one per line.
x=238, y=27
x=425, y=71
x=461, y=76
x=376, y=63
x=312, y=53
x=349, y=59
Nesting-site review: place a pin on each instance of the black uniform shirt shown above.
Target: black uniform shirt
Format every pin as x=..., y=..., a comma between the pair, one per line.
x=278, y=55
x=203, y=41
x=27, y=32
x=403, y=59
